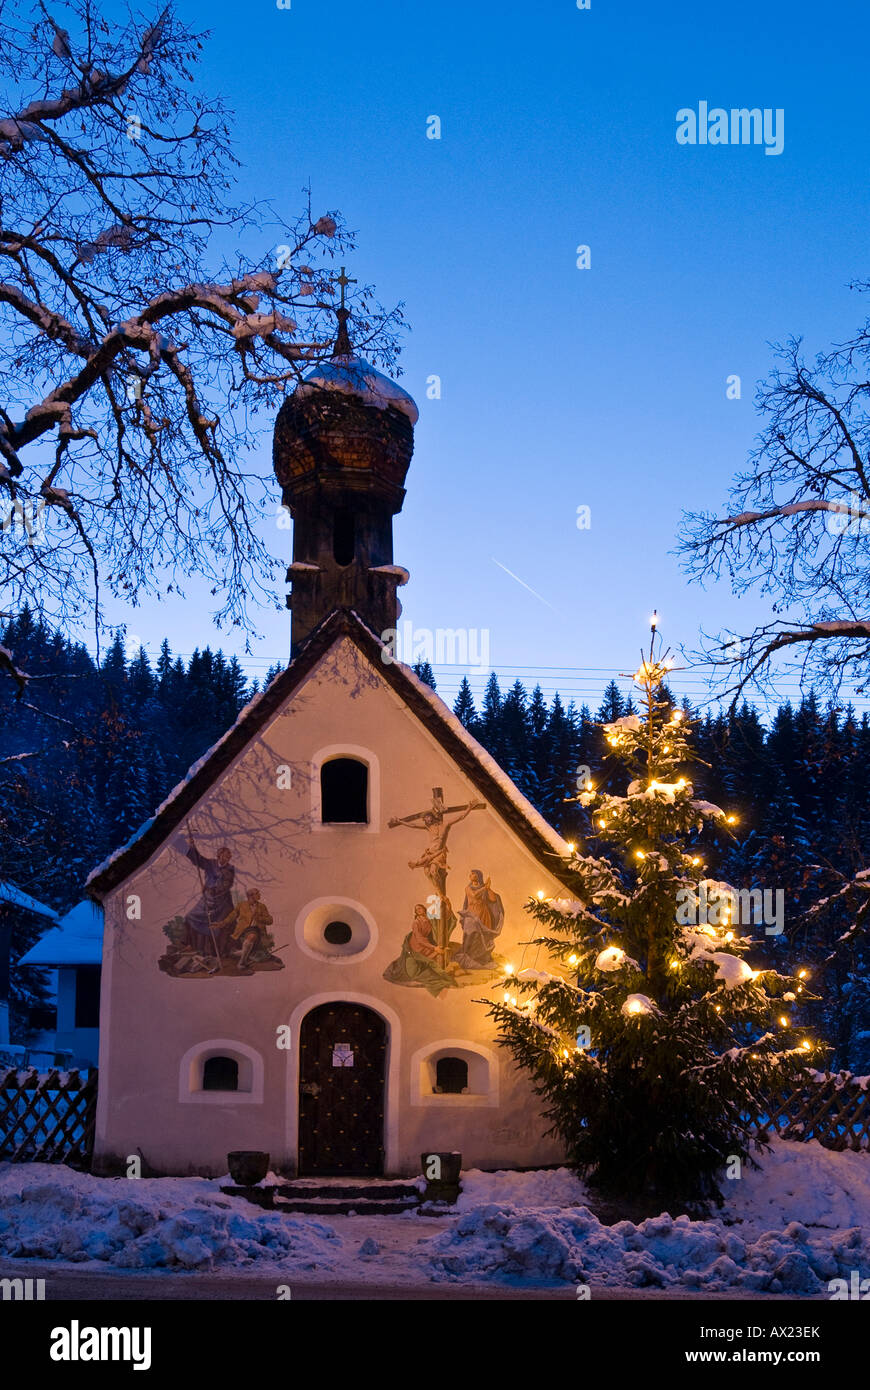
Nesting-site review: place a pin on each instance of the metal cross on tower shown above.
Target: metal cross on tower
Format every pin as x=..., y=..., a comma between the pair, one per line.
x=344, y=280
x=342, y=342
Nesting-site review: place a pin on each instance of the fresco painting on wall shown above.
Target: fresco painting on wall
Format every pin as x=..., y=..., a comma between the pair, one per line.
x=430, y=957
x=225, y=933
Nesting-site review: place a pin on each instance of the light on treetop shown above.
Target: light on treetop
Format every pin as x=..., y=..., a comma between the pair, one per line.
x=783, y=1020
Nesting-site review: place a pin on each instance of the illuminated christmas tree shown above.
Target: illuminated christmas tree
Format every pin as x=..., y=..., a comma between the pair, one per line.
x=650, y=1036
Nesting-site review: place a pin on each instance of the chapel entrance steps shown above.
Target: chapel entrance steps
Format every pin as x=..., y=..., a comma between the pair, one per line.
x=334, y=1196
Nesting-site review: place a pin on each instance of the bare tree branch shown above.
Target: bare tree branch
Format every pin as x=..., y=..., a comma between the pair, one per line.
x=797, y=525
x=139, y=364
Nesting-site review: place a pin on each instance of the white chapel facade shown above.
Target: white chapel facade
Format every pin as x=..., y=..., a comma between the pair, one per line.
x=297, y=945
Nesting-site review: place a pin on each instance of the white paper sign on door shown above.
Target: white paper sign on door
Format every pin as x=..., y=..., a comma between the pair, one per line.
x=342, y=1055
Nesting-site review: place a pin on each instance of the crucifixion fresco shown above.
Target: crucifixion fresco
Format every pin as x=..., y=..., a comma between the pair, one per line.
x=430, y=958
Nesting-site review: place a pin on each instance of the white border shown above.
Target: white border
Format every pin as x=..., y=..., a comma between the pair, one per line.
x=491, y=1098
x=363, y=755
x=221, y=1047
x=391, y=1090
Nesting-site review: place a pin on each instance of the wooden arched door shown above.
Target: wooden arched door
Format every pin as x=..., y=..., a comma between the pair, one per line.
x=342, y=1077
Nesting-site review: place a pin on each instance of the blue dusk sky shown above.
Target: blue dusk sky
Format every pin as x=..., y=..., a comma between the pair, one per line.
x=561, y=387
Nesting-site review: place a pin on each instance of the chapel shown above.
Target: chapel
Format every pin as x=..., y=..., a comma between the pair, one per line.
x=299, y=944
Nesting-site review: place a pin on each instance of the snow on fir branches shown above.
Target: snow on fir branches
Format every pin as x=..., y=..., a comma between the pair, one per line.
x=652, y=1039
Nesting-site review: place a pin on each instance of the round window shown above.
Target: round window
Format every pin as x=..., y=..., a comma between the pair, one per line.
x=336, y=929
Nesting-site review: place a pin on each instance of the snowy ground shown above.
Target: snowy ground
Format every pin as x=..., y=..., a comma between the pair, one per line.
x=800, y=1221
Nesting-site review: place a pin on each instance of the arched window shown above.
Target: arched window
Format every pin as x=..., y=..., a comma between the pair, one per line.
x=220, y=1074
x=451, y=1076
x=215, y=1069
x=343, y=536
x=344, y=792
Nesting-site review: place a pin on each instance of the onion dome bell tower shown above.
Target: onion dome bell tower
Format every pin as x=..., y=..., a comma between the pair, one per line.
x=343, y=443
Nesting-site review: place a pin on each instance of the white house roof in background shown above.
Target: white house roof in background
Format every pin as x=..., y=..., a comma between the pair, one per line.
x=15, y=898
x=76, y=940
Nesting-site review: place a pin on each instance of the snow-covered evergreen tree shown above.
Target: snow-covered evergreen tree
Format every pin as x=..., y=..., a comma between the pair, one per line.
x=650, y=1036
x=464, y=707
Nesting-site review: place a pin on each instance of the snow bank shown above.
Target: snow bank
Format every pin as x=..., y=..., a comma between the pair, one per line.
x=506, y=1244
x=790, y=1226
x=801, y=1182
x=543, y=1187
x=53, y=1213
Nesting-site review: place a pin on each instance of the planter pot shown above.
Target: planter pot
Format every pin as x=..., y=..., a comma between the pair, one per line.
x=247, y=1166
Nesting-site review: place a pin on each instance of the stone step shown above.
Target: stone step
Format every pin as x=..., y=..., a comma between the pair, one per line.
x=379, y=1191
x=343, y=1206
x=375, y=1199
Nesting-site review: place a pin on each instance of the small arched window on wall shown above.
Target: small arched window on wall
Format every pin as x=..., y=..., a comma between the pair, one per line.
x=220, y=1074
x=451, y=1076
x=344, y=792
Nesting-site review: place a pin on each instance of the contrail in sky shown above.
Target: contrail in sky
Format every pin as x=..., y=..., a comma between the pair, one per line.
x=521, y=581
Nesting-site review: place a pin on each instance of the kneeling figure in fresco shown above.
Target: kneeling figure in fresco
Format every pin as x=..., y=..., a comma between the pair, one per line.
x=247, y=925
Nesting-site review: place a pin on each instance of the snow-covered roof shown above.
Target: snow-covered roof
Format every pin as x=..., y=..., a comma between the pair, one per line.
x=356, y=377
x=76, y=940
x=15, y=898
x=492, y=781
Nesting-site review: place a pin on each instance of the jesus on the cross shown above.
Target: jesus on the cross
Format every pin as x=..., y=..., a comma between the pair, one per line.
x=435, y=822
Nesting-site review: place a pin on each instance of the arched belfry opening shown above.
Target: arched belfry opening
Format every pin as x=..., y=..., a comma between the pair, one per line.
x=343, y=443
x=344, y=792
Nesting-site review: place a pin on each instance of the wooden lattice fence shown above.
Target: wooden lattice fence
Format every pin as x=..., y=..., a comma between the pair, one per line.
x=834, y=1108
x=48, y=1117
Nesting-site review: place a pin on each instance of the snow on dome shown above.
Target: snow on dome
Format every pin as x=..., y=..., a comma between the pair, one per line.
x=356, y=377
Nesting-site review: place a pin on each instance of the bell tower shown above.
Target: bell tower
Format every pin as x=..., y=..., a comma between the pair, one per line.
x=343, y=442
